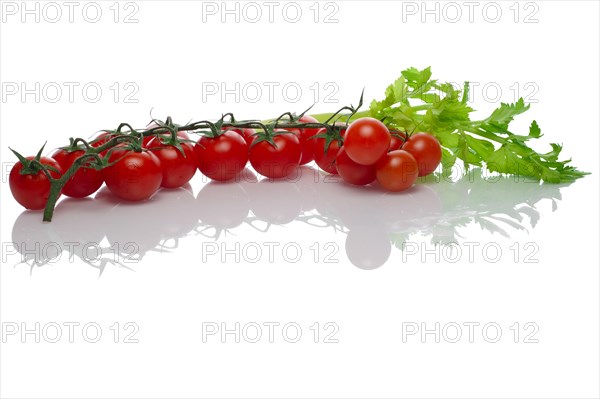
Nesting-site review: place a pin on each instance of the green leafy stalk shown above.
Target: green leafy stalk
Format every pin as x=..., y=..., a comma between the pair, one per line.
x=415, y=101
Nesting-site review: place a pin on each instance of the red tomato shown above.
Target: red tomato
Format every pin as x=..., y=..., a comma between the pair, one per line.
x=304, y=136
x=395, y=141
x=325, y=159
x=177, y=168
x=353, y=172
x=366, y=140
x=222, y=158
x=32, y=191
x=397, y=170
x=147, y=139
x=164, y=136
x=246, y=133
x=135, y=176
x=102, y=138
x=183, y=135
x=279, y=160
x=86, y=181
x=427, y=151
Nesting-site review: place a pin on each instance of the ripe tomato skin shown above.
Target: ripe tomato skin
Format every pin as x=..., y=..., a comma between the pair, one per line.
x=352, y=172
x=148, y=140
x=222, y=158
x=325, y=160
x=135, y=176
x=32, y=191
x=397, y=170
x=304, y=136
x=366, y=140
x=177, y=168
x=84, y=182
x=395, y=142
x=181, y=135
x=427, y=151
x=102, y=138
x=246, y=133
x=276, y=161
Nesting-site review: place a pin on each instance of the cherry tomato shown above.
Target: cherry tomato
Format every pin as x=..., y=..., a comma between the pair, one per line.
x=395, y=141
x=32, y=190
x=222, y=158
x=148, y=139
x=304, y=136
x=326, y=159
x=102, y=138
x=177, y=168
x=397, y=170
x=246, y=133
x=134, y=176
x=279, y=160
x=352, y=172
x=86, y=181
x=427, y=151
x=181, y=135
x=366, y=140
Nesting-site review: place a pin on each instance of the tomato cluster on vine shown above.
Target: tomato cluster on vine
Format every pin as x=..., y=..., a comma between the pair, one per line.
x=136, y=164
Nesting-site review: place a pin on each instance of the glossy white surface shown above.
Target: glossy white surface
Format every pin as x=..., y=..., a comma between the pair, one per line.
x=374, y=265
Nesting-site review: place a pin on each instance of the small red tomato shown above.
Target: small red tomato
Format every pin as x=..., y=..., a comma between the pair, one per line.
x=177, y=168
x=366, y=140
x=85, y=182
x=325, y=159
x=147, y=140
x=427, y=151
x=397, y=170
x=102, y=138
x=276, y=160
x=164, y=136
x=352, y=172
x=304, y=136
x=222, y=158
x=32, y=190
x=395, y=141
x=246, y=133
x=134, y=176
x=152, y=125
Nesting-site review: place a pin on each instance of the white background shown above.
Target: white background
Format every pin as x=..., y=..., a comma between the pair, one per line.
x=171, y=55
